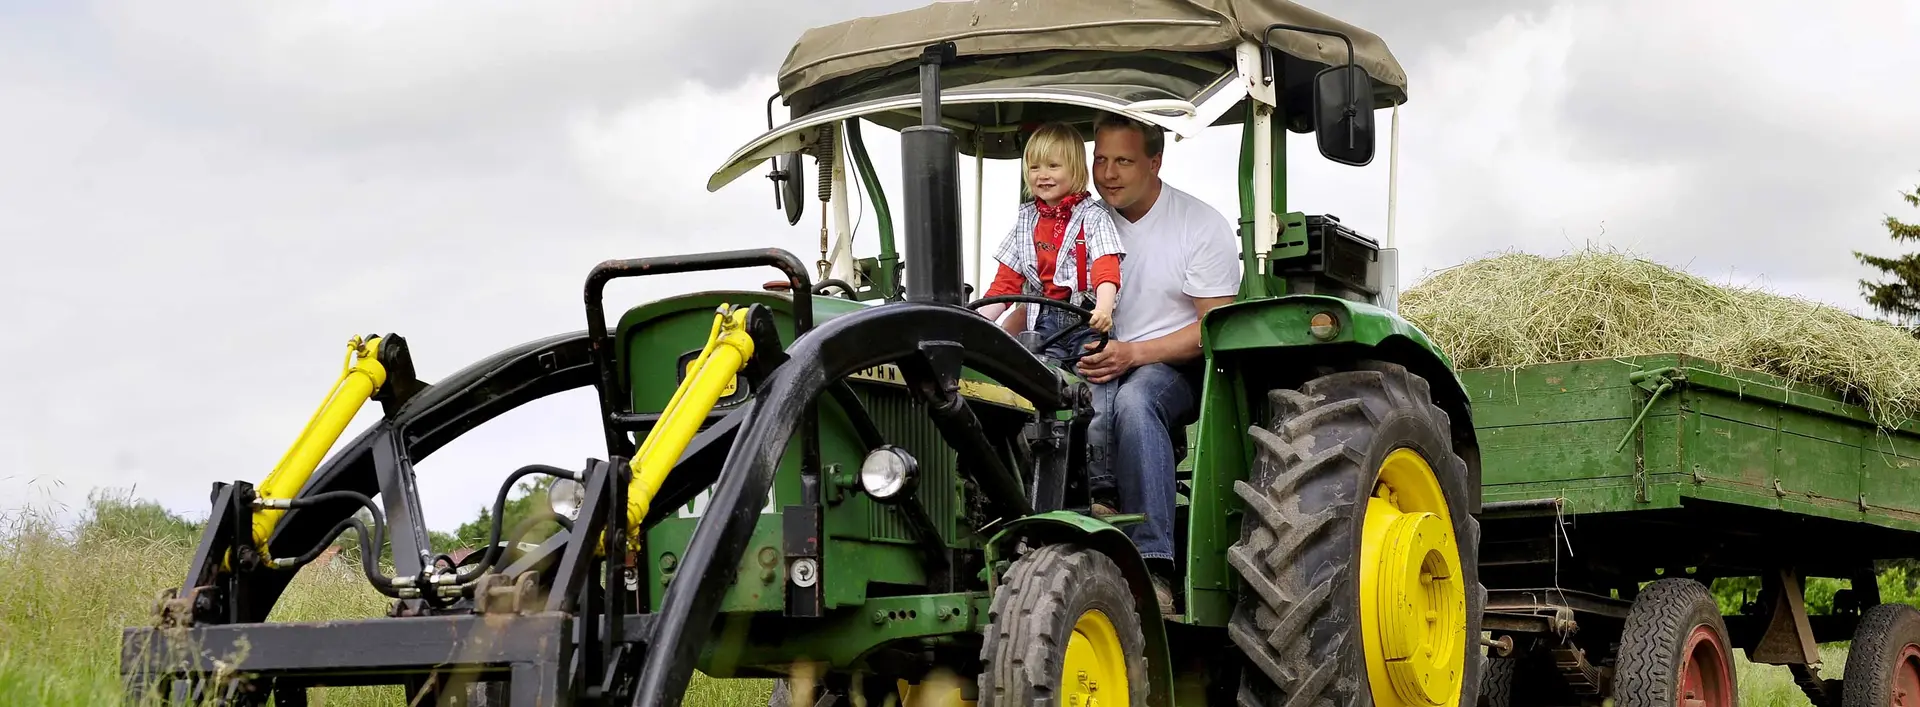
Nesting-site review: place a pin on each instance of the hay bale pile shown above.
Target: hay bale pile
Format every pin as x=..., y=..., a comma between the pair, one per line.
x=1517, y=309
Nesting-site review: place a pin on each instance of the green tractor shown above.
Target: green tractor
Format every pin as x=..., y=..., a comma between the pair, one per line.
x=851, y=482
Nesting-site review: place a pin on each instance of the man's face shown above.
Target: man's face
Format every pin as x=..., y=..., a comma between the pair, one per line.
x=1121, y=169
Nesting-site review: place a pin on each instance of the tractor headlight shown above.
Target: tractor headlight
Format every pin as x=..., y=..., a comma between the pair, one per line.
x=887, y=472
x=565, y=496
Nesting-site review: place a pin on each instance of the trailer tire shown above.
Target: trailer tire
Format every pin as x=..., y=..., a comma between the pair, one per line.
x=1317, y=617
x=1885, y=657
x=1674, y=632
x=1058, y=607
x=1496, y=682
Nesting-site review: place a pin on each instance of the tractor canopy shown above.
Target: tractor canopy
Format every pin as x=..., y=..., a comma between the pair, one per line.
x=1170, y=63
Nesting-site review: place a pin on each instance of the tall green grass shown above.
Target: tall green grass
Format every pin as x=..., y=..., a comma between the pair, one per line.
x=66, y=593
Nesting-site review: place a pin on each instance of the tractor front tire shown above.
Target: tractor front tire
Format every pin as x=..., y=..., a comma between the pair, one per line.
x=1063, y=630
x=1358, y=556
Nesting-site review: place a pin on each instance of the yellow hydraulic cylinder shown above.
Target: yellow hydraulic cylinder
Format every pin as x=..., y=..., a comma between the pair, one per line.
x=727, y=351
x=359, y=379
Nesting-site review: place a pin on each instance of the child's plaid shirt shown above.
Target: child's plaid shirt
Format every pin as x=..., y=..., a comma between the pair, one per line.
x=1090, y=220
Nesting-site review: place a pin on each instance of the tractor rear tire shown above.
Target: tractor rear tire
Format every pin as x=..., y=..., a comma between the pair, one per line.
x=1883, y=666
x=1317, y=617
x=1674, y=650
x=1063, y=628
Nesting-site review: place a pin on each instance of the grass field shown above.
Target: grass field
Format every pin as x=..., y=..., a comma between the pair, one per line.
x=65, y=595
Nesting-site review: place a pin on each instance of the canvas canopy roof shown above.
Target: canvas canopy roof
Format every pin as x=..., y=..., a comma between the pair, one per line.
x=825, y=56
x=1171, y=63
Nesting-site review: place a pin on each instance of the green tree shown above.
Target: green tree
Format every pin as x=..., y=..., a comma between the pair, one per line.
x=1900, y=297
x=523, y=518
x=118, y=516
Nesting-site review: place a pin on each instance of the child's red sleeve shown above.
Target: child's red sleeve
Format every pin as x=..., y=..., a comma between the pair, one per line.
x=1007, y=282
x=1106, y=268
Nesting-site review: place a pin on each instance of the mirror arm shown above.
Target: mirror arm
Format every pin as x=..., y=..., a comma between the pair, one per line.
x=773, y=163
x=1266, y=44
x=1266, y=53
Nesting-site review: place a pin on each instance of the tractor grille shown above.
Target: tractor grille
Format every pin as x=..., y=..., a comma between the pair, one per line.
x=904, y=423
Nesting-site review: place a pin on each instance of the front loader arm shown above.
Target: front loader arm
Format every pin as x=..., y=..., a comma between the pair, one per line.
x=728, y=350
x=360, y=378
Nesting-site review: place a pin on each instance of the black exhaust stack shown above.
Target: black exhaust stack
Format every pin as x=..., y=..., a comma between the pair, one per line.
x=931, y=174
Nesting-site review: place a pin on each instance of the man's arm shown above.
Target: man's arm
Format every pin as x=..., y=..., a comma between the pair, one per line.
x=1180, y=346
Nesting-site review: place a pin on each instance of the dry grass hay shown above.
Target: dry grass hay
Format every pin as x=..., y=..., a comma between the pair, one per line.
x=1517, y=309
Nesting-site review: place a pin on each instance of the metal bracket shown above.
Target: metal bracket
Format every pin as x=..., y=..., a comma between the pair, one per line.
x=1657, y=382
x=1788, y=639
x=800, y=533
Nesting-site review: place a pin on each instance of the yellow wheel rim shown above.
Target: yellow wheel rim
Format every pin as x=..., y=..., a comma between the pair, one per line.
x=1094, y=671
x=1413, y=600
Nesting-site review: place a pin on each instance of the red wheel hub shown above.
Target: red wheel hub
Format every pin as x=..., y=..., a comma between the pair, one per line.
x=1704, y=680
x=1906, y=677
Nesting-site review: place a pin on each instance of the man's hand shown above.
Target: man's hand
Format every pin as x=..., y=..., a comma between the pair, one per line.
x=1112, y=362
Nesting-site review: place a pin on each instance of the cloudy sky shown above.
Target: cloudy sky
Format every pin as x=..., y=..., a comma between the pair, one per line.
x=201, y=201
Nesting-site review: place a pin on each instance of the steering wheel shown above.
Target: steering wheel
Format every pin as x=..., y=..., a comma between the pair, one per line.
x=1085, y=317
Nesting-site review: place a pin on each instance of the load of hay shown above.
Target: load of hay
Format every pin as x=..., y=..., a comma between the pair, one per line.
x=1517, y=309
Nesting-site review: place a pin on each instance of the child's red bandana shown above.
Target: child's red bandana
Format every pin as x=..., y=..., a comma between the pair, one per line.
x=1062, y=211
x=1061, y=214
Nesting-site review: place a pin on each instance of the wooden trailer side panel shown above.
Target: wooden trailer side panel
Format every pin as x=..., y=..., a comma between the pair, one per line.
x=1555, y=431
x=1590, y=434
x=1757, y=440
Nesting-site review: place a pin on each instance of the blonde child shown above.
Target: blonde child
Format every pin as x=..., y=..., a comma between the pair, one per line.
x=1063, y=245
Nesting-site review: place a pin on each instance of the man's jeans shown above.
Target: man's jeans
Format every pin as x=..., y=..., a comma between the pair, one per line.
x=1133, y=415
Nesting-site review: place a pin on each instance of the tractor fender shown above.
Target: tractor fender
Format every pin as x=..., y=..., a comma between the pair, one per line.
x=1057, y=527
x=1361, y=331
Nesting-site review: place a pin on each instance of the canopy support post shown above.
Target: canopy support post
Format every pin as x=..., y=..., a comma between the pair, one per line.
x=1265, y=230
x=979, y=207
x=1390, y=255
x=842, y=258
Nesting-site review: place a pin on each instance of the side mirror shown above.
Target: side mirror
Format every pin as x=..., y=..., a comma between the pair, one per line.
x=1343, y=114
x=789, y=177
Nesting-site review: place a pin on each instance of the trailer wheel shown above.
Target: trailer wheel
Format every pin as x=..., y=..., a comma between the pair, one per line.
x=1496, y=682
x=1063, y=630
x=1359, y=558
x=1883, y=666
x=1674, y=650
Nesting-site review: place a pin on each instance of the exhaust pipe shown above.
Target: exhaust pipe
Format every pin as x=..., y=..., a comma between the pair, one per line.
x=930, y=171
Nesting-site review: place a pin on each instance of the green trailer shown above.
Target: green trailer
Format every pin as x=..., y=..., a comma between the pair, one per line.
x=1616, y=491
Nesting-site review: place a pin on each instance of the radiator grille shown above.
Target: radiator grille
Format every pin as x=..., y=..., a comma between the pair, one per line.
x=904, y=422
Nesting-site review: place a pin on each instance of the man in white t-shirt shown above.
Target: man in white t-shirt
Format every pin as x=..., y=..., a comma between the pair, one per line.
x=1183, y=259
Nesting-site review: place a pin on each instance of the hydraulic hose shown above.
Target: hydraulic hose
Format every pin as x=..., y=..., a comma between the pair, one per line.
x=499, y=508
x=370, y=543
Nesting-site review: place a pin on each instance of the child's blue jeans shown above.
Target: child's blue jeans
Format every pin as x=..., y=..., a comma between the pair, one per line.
x=1099, y=428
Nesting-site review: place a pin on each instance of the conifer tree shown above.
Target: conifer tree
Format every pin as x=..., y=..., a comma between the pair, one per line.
x=1899, y=297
